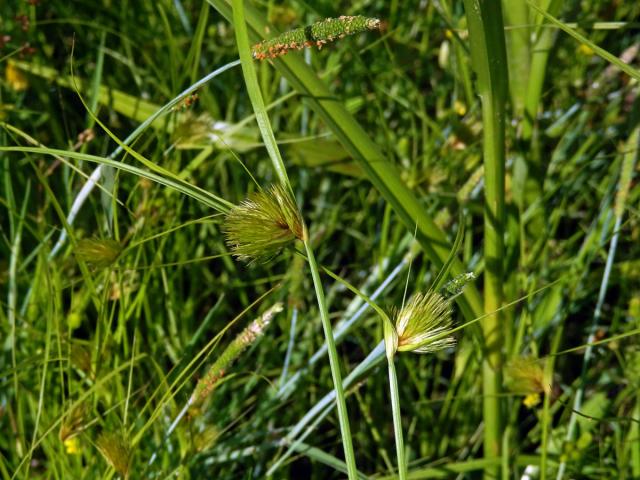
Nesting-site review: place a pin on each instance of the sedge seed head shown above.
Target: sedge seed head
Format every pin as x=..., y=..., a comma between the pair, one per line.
x=115, y=448
x=525, y=375
x=422, y=324
x=98, y=252
x=218, y=369
x=263, y=224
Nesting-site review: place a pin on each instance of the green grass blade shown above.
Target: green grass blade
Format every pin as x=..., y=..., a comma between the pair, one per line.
x=251, y=80
x=488, y=53
x=206, y=198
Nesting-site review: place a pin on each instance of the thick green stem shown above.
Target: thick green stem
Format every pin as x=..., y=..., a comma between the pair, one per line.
x=334, y=363
x=486, y=36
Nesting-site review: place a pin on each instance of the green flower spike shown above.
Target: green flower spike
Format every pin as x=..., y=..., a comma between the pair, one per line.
x=526, y=375
x=457, y=284
x=263, y=224
x=218, y=369
x=422, y=325
x=116, y=450
x=317, y=34
x=98, y=252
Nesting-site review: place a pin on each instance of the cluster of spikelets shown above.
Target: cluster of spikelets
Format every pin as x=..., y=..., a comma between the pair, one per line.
x=263, y=224
x=246, y=338
x=423, y=325
x=97, y=251
x=116, y=450
x=318, y=34
x=526, y=376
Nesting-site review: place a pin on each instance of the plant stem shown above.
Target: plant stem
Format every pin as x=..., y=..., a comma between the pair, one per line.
x=486, y=34
x=253, y=89
x=397, y=418
x=334, y=363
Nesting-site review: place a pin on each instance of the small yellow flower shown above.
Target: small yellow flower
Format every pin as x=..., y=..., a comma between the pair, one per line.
x=15, y=78
x=531, y=400
x=448, y=33
x=72, y=445
x=585, y=50
x=460, y=108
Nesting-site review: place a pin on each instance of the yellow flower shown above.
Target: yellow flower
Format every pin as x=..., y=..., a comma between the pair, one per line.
x=531, y=400
x=72, y=445
x=15, y=78
x=459, y=108
x=585, y=50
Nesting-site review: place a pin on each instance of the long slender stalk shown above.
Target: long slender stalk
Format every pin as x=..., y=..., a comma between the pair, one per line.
x=397, y=418
x=334, y=363
x=486, y=35
x=253, y=89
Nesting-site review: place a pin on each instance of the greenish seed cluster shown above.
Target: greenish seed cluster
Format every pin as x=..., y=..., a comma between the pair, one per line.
x=317, y=34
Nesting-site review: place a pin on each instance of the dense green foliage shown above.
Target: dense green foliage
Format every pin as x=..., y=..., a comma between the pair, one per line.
x=396, y=168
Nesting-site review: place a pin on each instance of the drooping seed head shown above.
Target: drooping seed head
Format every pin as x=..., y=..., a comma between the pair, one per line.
x=115, y=448
x=525, y=376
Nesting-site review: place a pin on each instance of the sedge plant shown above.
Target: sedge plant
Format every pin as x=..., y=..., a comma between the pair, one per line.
x=289, y=217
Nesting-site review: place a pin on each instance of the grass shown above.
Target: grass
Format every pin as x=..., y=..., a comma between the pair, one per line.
x=451, y=141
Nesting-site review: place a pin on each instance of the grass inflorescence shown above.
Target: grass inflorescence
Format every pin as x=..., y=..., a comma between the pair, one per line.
x=317, y=34
x=263, y=224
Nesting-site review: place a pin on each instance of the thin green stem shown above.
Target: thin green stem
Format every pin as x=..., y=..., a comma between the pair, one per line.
x=634, y=433
x=253, y=89
x=397, y=418
x=334, y=363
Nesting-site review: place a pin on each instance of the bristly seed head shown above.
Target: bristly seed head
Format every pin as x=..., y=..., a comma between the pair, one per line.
x=116, y=450
x=422, y=324
x=98, y=252
x=525, y=375
x=263, y=224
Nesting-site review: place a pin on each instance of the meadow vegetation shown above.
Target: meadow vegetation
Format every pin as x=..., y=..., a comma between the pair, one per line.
x=402, y=240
